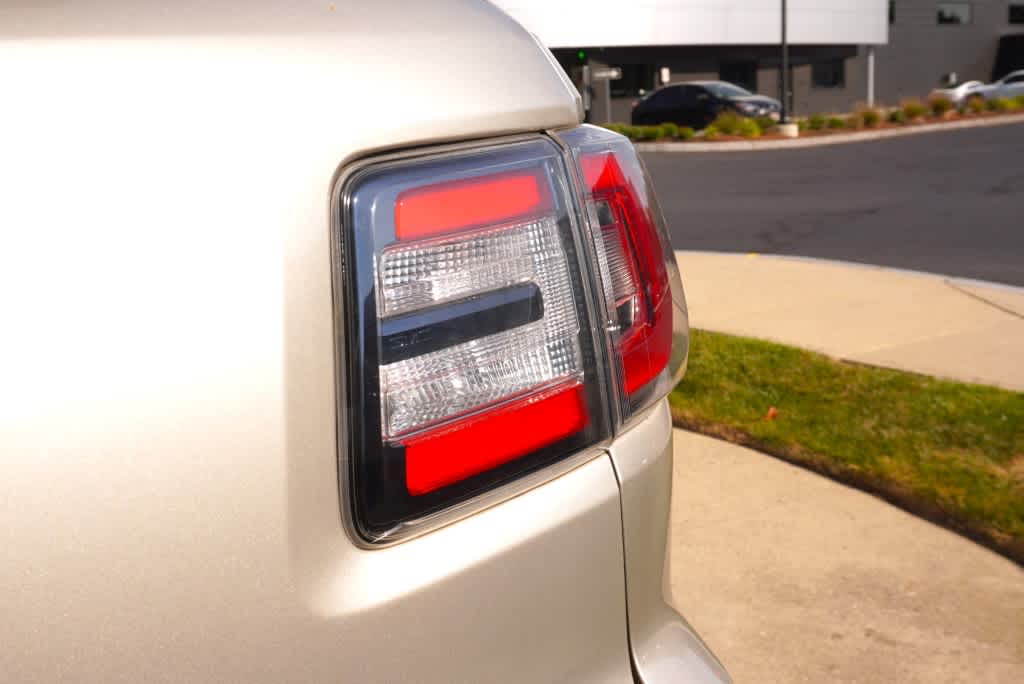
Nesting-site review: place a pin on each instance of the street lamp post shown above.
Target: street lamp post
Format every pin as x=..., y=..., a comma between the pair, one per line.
x=785, y=67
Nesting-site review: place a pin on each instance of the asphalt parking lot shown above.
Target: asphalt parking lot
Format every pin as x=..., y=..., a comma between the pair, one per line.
x=947, y=203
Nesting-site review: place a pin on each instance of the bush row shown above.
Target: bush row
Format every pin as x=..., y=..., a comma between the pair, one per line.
x=729, y=123
x=909, y=110
x=726, y=123
x=664, y=131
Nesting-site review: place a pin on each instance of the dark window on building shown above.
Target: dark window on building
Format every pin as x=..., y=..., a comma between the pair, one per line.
x=892, y=12
x=829, y=74
x=954, y=13
x=1017, y=14
x=743, y=74
x=1009, y=56
x=637, y=79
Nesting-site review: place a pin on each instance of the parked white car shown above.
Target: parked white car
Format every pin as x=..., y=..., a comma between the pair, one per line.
x=1011, y=85
x=958, y=94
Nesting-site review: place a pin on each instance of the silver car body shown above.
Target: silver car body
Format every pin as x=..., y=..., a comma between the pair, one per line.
x=958, y=94
x=1011, y=85
x=168, y=444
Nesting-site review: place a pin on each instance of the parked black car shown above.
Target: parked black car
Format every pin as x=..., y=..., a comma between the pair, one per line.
x=697, y=103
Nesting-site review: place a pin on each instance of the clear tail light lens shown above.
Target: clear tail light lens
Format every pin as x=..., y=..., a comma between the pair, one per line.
x=502, y=308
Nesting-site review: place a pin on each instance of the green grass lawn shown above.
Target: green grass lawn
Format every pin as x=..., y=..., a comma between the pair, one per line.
x=949, y=451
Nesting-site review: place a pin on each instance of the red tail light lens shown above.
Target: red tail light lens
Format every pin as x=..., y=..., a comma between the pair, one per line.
x=636, y=263
x=448, y=207
x=492, y=439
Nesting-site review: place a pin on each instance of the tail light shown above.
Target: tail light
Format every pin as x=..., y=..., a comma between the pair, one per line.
x=643, y=296
x=494, y=301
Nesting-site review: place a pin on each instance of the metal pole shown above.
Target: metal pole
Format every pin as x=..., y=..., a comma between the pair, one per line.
x=607, y=100
x=871, y=75
x=586, y=92
x=785, y=67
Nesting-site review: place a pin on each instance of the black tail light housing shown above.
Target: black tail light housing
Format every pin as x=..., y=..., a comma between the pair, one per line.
x=500, y=308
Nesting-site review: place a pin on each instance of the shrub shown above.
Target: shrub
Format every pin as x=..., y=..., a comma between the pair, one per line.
x=801, y=125
x=765, y=122
x=749, y=128
x=835, y=122
x=686, y=133
x=913, y=108
x=670, y=130
x=642, y=133
x=940, y=105
x=871, y=117
x=638, y=133
x=711, y=132
x=976, y=104
x=1020, y=101
x=865, y=117
x=817, y=122
x=727, y=123
x=1001, y=104
x=897, y=117
x=615, y=127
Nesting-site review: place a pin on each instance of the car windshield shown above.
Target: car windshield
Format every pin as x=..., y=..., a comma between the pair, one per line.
x=727, y=90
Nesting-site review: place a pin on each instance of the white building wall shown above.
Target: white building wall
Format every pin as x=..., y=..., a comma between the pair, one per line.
x=616, y=23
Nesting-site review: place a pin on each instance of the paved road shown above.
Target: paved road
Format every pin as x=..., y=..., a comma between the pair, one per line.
x=950, y=203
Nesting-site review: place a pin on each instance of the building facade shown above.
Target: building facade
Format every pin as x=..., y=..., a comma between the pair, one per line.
x=929, y=41
x=914, y=44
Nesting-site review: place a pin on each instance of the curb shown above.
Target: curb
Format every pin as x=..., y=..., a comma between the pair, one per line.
x=836, y=139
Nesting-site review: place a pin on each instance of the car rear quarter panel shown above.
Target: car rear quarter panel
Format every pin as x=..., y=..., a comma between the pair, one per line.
x=665, y=647
x=168, y=455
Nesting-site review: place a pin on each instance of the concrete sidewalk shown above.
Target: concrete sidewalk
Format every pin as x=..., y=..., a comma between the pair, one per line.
x=958, y=329
x=791, y=577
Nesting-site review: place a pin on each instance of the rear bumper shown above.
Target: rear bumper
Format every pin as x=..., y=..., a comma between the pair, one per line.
x=663, y=646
